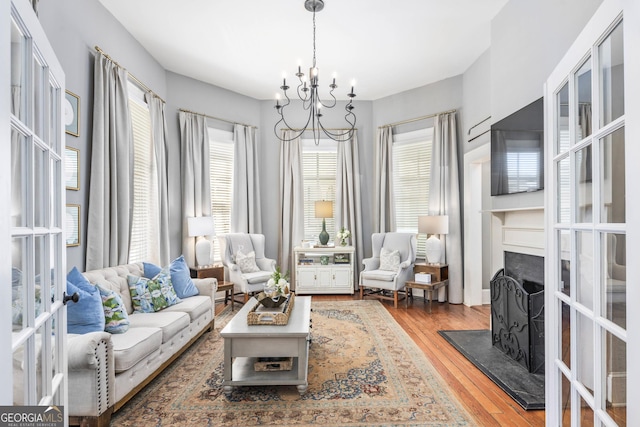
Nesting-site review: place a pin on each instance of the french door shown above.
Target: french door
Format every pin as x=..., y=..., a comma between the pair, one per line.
x=34, y=211
x=586, y=225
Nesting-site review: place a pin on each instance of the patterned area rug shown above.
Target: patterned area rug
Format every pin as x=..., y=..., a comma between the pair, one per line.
x=364, y=370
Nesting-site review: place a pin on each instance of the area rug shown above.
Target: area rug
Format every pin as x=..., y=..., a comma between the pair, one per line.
x=476, y=345
x=364, y=370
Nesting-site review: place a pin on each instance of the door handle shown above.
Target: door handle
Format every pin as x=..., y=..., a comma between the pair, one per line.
x=66, y=298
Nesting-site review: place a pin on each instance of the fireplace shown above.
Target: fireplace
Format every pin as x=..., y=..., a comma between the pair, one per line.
x=517, y=310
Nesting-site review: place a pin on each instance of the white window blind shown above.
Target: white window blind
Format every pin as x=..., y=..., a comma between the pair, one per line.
x=319, y=175
x=144, y=242
x=221, y=180
x=411, y=174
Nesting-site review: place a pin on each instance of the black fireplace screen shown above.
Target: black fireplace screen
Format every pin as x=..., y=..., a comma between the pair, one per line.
x=517, y=320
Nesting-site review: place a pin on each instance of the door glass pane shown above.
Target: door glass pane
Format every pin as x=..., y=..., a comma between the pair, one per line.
x=40, y=202
x=565, y=335
x=19, y=375
x=615, y=378
x=43, y=360
x=56, y=190
x=19, y=181
x=584, y=273
x=41, y=279
x=584, y=202
x=39, y=74
x=566, y=401
x=585, y=351
x=18, y=61
x=612, y=181
x=18, y=282
x=583, y=92
x=54, y=118
x=612, y=76
x=564, y=191
x=586, y=414
x=565, y=263
x=562, y=106
x=614, y=267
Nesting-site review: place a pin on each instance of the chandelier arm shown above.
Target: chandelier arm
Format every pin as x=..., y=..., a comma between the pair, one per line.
x=335, y=101
x=288, y=126
x=303, y=98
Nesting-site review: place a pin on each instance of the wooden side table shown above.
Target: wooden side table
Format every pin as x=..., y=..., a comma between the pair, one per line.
x=216, y=272
x=439, y=279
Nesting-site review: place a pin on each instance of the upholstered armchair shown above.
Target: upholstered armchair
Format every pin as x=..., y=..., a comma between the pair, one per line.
x=391, y=265
x=243, y=257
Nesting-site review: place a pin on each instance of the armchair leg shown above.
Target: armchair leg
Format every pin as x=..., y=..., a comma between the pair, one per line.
x=246, y=297
x=361, y=292
x=395, y=299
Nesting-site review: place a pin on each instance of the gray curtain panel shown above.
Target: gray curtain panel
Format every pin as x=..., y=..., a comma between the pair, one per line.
x=110, y=186
x=159, y=135
x=245, y=206
x=444, y=198
x=348, y=203
x=384, y=207
x=196, y=187
x=291, y=199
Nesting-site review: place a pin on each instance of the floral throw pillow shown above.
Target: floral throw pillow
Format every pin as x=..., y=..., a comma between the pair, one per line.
x=247, y=262
x=389, y=260
x=115, y=315
x=151, y=295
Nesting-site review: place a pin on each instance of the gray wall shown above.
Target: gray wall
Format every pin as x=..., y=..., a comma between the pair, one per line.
x=528, y=38
x=73, y=28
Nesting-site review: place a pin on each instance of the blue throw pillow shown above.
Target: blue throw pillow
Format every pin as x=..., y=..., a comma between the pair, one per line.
x=86, y=315
x=180, y=276
x=79, y=280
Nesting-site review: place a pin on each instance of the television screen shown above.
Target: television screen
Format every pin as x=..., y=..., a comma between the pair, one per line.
x=517, y=151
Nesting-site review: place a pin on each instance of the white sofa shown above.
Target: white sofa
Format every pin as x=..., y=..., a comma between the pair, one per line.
x=105, y=370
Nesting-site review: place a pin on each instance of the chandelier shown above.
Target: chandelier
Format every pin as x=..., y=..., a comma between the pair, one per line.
x=307, y=92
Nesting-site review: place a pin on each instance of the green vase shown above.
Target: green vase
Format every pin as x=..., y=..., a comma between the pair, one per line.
x=324, y=236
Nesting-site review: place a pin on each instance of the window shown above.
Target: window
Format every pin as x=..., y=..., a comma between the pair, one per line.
x=221, y=180
x=411, y=174
x=144, y=242
x=319, y=176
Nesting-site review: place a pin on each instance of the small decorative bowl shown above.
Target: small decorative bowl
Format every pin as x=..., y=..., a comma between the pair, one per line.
x=270, y=302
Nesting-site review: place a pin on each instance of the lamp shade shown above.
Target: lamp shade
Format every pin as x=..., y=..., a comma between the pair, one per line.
x=201, y=226
x=433, y=224
x=324, y=209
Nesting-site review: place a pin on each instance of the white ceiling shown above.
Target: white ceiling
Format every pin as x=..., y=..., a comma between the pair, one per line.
x=387, y=46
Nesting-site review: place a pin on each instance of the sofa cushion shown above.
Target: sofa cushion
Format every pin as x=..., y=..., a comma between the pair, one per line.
x=180, y=276
x=134, y=346
x=193, y=306
x=169, y=322
x=115, y=315
x=383, y=275
x=151, y=295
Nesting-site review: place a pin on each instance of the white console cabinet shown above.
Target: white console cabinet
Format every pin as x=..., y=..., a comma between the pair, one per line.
x=320, y=270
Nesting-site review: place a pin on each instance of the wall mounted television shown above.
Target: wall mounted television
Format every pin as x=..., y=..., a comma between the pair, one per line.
x=517, y=151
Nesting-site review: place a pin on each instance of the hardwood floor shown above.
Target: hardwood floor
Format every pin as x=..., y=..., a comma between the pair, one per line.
x=483, y=399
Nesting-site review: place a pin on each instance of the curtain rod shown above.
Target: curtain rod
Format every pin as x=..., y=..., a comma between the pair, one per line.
x=312, y=129
x=144, y=86
x=416, y=119
x=184, y=110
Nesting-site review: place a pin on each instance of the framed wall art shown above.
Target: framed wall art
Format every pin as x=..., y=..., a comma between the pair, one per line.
x=72, y=168
x=72, y=113
x=73, y=225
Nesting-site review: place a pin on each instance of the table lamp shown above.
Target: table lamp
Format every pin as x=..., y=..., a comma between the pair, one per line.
x=199, y=227
x=324, y=209
x=433, y=224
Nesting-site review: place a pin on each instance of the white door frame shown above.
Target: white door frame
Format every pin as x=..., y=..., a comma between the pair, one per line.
x=473, y=236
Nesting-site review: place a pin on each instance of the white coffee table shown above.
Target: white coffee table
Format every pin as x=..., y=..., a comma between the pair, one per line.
x=244, y=344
